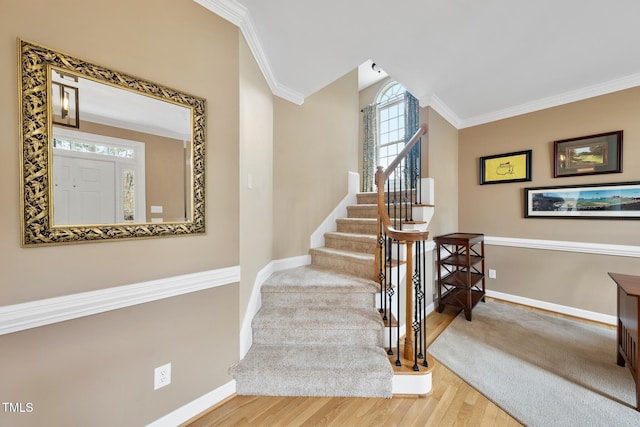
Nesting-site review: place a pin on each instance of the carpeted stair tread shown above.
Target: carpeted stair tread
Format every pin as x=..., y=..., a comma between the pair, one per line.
x=316, y=318
x=340, y=253
x=358, y=225
x=315, y=279
x=358, y=220
x=355, y=236
x=304, y=360
x=323, y=370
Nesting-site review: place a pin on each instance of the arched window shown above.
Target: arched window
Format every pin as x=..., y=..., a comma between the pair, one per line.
x=387, y=124
x=391, y=122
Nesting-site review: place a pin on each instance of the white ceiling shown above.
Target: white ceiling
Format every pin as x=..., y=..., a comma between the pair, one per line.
x=473, y=61
x=113, y=106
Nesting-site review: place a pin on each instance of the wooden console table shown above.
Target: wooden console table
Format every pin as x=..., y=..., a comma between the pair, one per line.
x=628, y=313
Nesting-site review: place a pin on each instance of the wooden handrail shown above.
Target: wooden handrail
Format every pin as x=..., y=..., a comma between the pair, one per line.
x=382, y=176
x=408, y=237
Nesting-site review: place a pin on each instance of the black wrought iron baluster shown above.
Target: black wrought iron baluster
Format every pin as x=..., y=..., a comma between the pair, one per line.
x=416, y=324
x=398, y=362
x=381, y=271
x=423, y=244
x=389, y=295
x=419, y=174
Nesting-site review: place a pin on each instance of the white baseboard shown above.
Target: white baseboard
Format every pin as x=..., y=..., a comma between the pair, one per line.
x=293, y=262
x=557, y=308
x=196, y=407
x=255, y=300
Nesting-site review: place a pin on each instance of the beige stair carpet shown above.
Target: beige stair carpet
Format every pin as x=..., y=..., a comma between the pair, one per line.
x=317, y=333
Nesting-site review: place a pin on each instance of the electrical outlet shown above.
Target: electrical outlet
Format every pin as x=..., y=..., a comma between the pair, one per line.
x=492, y=274
x=162, y=376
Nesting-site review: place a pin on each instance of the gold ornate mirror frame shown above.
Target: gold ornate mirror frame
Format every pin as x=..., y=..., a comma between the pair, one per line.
x=35, y=62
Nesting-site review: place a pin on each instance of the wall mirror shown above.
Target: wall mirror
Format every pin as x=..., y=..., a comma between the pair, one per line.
x=105, y=155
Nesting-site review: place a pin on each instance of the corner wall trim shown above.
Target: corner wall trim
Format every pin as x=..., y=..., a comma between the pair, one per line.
x=557, y=245
x=255, y=299
x=238, y=15
x=598, y=89
x=230, y=10
x=570, y=311
x=196, y=407
x=20, y=317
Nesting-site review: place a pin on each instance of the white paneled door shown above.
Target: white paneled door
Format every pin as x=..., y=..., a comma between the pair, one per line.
x=84, y=191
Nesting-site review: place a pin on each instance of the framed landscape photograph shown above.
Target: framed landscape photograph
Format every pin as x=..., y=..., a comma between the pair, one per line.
x=508, y=167
x=616, y=200
x=588, y=155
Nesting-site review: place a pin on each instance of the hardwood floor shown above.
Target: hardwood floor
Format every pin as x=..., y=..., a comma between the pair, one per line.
x=452, y=402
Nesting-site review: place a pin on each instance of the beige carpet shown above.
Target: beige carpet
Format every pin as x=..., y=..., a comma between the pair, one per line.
x=543, y=370
x=317, y=333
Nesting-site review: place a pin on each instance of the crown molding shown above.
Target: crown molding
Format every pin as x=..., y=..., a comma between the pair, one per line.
x=239, y=15
x=554, y=101
x=230, y=10
x=441, y=108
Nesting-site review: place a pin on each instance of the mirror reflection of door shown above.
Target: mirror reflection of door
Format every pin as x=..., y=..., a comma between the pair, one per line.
x=84, y=191
x=97, y=179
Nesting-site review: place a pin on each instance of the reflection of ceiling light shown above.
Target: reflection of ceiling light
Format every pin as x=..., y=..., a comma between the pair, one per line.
x=375, y=68
x=65, y=102
x=66, y=110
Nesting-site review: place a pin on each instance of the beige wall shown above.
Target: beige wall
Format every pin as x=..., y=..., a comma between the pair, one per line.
x=256, y=165
x=99, y=370
x=571, y=279
x=315, y=146
x=442, y=142
x=166, y=41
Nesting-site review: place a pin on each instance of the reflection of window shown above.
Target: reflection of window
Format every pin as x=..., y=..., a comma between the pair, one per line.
x=94, y=148
x=129, y=202
x=391, y=122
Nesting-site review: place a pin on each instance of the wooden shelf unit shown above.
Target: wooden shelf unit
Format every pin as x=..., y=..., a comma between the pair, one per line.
x=460, y=265
x=628, y=326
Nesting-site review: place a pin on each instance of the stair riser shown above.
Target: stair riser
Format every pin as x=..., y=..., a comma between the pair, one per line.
x=324, y=336
x=357, y=228
x=362, y=211
x=371, y=211
x=281, y=384
x=367, y=247
x=344, y=265
x=372, y=198
x=313, y=299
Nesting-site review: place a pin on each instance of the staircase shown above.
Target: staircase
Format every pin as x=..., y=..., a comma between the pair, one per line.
x=350, y=249
x=318, y=332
